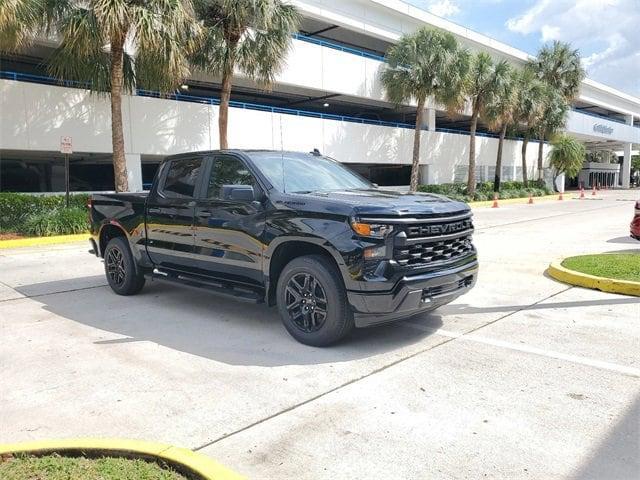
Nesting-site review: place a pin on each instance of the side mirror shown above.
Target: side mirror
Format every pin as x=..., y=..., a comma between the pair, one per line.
x=239, y=193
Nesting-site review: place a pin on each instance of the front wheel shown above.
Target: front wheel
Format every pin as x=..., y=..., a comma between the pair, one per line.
x=120, y=268
x=313, y=302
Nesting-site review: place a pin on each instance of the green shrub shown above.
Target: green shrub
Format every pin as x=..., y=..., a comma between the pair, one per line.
x=484, y=190
x=16, y=207
x=59, y=221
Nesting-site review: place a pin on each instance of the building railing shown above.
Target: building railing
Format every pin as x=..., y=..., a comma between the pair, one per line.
x=181, y=97
x=338, y=46
x=604, y=117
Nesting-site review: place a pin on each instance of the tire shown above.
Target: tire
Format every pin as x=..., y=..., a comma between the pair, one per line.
x=328, y=317
x=120, y=268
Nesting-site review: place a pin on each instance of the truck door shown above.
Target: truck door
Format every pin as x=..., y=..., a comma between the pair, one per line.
x=170, y=210
x=229, y=221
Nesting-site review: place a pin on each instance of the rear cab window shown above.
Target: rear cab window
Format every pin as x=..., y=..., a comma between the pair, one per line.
x=181, y=178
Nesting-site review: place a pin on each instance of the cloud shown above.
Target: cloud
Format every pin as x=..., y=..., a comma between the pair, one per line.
x=605, y=31
x=443, y=8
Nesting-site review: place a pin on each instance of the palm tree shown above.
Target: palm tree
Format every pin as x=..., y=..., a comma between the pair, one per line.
x=500, y=112
x=96, y=41
x=249, y=36
x=485, y=79
x=18, y=19
x=528, y=110
x=553, y=115
x=426, y=63
x=559, y=66
x=567, y=156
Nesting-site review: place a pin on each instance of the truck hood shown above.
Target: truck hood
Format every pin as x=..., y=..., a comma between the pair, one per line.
x=374, y=202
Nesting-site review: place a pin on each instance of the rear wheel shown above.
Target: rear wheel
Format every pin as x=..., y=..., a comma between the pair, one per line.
x=313, y=302
x=120, y=268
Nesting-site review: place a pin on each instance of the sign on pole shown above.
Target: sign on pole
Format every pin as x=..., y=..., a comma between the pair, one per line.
x=66, y=147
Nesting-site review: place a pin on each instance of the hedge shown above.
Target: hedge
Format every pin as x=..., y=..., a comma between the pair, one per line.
x=484, y=190
x=16, y=208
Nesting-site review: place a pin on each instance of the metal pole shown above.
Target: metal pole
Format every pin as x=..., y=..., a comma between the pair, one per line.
x=66, y=179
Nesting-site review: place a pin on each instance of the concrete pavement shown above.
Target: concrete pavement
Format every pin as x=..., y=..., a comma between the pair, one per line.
x=523, y=377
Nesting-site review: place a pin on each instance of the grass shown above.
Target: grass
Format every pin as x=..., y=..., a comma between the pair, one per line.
x=620, y=266
x=56, y=467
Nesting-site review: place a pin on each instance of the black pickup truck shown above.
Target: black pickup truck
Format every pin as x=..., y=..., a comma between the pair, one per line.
x=296, y=230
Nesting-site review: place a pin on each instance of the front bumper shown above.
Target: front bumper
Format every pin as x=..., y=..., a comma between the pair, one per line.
x=412, y=295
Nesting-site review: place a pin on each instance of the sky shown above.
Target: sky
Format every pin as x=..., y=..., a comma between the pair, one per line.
x=606, y=32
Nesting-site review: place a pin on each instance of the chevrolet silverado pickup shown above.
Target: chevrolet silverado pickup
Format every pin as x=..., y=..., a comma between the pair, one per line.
x=296, y=230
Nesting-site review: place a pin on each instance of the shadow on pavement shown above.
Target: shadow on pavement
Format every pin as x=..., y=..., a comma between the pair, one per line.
x=461, y=308
x=626, y=240
x=617, y=456
x=210, y=326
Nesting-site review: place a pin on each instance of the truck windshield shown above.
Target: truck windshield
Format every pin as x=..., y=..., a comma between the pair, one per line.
x=304, y=173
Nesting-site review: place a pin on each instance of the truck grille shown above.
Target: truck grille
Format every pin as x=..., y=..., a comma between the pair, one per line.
x=439, y=251
x=437, y=241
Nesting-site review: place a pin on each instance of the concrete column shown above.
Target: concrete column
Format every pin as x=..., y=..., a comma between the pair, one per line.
x=430, y=119
x=626, y=161
x=424, y=174
x=134, y=172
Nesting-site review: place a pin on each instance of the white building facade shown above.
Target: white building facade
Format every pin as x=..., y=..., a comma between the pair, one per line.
x=328, y=97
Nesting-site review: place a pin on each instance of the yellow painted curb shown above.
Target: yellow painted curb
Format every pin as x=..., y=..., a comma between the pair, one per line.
x=190, y=461
x=610, y=285
x=36, y=241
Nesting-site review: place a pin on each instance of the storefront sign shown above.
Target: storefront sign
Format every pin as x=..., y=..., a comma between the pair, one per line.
x=599, y=128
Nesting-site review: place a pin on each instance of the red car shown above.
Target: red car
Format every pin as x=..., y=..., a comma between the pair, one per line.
x=635, y=223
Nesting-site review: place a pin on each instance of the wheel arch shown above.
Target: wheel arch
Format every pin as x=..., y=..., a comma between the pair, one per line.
x=109, y=231
x=290, y=248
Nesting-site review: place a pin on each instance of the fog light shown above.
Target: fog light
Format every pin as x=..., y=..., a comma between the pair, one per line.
x=373, y=253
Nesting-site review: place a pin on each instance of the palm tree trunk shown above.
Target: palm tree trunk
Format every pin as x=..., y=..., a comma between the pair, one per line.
x=415, y=167
x=496, y=180
x=525, y=142
x=471, y=181
x=540, y=154
x=117, y=136
x=223, y=117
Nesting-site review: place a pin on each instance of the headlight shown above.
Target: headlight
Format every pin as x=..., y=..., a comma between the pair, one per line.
x=373, y=230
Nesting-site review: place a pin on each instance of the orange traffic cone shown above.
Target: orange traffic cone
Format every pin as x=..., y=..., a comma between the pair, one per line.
x=560, y=196
x=593, y=193
x=495, y=201
x=530, y=199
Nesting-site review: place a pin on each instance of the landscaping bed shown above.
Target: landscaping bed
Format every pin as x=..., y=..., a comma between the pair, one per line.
x=484, y=190
x=618, y=266
x=57, y=467
x=24, y=215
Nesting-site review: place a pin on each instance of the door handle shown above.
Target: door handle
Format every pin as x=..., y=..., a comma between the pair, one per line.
x=153, y=210
x=204, y=213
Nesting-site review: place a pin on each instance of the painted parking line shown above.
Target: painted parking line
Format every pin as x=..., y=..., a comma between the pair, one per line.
x=612, y=367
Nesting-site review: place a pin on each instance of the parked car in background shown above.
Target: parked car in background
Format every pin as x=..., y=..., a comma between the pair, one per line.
x=635, y=223
x=296, y=230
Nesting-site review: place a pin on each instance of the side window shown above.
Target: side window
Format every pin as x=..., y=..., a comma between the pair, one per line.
x=227, y=171
x=181, y=178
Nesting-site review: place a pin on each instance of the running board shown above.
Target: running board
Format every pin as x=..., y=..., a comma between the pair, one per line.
x=219, y=288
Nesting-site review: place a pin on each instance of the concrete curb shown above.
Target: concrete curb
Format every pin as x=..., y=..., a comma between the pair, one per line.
x=190, y=462
x=513, y=201
x=610, y=285
x=37, y=241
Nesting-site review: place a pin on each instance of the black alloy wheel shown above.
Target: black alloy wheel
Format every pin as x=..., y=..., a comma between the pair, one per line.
x=312, y=301
x=306, y=302
x=120, y=268
x=115, y=266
